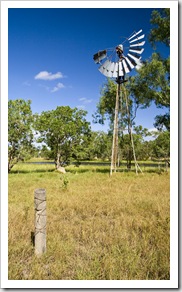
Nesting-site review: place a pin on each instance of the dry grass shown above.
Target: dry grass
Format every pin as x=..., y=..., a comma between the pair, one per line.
x=98, y=227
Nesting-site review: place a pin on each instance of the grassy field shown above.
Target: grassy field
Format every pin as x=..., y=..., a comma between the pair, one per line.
x=98, y=227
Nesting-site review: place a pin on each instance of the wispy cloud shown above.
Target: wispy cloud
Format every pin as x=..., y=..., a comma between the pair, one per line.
x=58, y=87
x=26, y=83
x=44, y=75
x=81, y=107
x=44, y=86
x=85, y=100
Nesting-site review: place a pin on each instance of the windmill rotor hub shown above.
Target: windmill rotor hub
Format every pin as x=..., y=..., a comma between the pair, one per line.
x=119, y=51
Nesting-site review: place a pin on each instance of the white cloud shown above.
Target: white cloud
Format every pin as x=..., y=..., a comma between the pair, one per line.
x=153, y=130
x=58, y=87
x=85, y=100
x=44, y=75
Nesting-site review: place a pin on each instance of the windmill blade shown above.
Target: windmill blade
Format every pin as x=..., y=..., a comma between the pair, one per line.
x=132, y=61
x=116, y=70
x=134, y=57
x=135, y=34
x=138, y=51
x=107, y=68
x=138, y=38
x=104, y=66
x=126, y=69
x=138, y=44
x=129, y=63
x=99, y=56
x=121, y=71
x=111, y=69
x=104, y=72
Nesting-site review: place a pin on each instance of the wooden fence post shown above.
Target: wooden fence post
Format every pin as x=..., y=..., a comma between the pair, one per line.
x=40, y=221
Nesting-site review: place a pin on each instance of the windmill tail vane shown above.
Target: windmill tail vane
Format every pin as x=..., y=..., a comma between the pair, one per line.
x=115, y=64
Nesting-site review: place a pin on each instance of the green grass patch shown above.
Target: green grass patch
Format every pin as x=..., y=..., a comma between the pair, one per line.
x=98, y=227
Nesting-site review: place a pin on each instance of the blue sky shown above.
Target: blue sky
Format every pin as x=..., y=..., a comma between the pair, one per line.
x=50, y=55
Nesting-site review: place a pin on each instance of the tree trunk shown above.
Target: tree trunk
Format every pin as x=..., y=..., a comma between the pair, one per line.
x=58, y=160
x=9, y=167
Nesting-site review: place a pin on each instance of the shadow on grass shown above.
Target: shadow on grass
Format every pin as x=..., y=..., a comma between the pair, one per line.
x=89, y=169
x=120, y=170
x=74, y=171
x=31, y=171
x=32, y=238
x=151, y=170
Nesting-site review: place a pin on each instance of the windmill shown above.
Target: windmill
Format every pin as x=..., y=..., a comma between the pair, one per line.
x=114, y=64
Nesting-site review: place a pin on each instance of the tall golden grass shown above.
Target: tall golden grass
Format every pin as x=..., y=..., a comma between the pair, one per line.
x=98, y=227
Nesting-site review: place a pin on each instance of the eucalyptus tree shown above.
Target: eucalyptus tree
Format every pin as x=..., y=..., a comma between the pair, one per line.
x=65, y=131
x=153, y=85
x=99, y=146
x=161, y=146
x=153, y=80
x=20, y=134
x=160, y=32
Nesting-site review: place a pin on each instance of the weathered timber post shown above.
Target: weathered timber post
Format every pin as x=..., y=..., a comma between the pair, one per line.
x=115, y=134
x=40, y=221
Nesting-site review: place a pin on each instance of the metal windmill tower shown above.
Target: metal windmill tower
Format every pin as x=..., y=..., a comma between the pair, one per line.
x=114, y=64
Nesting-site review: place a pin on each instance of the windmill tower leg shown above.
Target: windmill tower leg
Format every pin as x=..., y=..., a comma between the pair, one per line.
x=115, y=133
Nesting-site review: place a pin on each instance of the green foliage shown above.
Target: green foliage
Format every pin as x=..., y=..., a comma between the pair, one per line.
x=64, y=182
x=141, y=150
x=99, y=146
x=162, y=121
x=161, y=30
x=19, y=131
x=161, y=145
x=152, y=83
x=106, y=105
x=64, y=130
x=157, y=71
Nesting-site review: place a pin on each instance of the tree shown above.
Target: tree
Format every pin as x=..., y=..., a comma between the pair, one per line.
x=162, y=121
x=161, y=30
x=161, y=146
x=153, y=80
x=19, y=130
x=138, y=135
x=99, y=146
x=105, y=107
x=64, y=130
